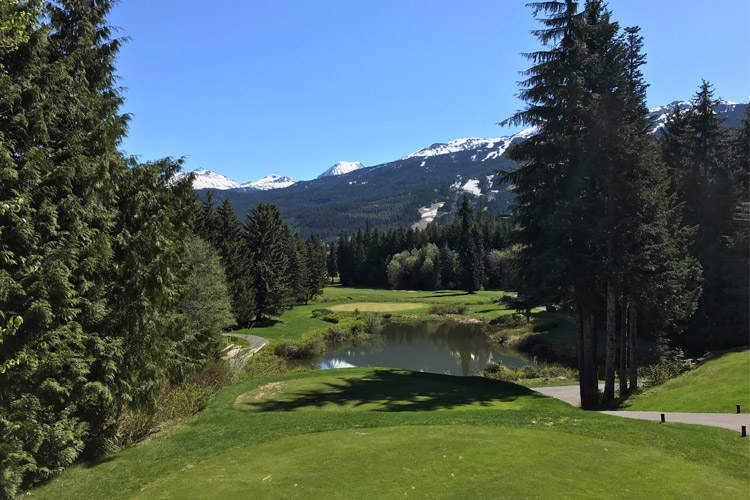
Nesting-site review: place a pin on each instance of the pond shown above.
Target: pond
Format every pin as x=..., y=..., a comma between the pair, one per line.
x=436, y=347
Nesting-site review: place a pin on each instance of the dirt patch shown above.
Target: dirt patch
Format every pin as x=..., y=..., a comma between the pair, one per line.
x=260, y=393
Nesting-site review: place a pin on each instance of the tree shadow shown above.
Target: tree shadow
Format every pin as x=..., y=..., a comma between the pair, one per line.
x=395, y=391
x=266, y=322
x=439, y=296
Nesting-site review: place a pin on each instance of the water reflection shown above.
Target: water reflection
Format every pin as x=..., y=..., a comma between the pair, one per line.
x=434, y=347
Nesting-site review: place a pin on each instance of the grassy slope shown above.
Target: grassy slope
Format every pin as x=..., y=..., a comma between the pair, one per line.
x=365, y=433
x=718, y=385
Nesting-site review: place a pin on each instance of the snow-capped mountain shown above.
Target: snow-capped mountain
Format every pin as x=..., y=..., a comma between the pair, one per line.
x=341, y=168
x=272, y=181
x=732, y=112
x=496, y=147
x=206, y=179
x=409, y=189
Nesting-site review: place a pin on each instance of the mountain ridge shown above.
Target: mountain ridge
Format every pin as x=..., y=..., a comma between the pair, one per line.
x=399, y=192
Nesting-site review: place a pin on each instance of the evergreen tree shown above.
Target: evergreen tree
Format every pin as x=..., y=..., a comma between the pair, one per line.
x=700, y=153
x=470, y=249
x=229, y=241
x=332, y=261
x=59, y=132
x=297, y=268
x=317, y=271
x=265, y=233
x=204, y=309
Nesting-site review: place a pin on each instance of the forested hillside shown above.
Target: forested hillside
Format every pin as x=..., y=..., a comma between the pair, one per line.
x=386, y=195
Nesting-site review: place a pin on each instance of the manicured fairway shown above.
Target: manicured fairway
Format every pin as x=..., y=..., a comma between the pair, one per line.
x=373, y=433
x=717, y=386
x=294, y=322
x=442, y=462
x=378, y=306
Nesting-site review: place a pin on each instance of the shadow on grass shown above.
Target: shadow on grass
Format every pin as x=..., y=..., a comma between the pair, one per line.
x=266, y=322
x=447, y=293
x=389, y=390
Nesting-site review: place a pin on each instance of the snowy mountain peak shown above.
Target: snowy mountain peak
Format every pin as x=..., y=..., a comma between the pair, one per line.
x=498, y=145
x=206, y=179
x=272, y=181
x=341, y=168
x=438, y=149
x=731, y=111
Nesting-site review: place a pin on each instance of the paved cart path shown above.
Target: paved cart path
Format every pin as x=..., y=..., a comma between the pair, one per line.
x=238, y=356
x=732, y=421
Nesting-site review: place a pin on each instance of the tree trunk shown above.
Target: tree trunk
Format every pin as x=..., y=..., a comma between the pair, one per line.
x=611, y=356
x=622, y=372
x=632, y=336
x=589, y=378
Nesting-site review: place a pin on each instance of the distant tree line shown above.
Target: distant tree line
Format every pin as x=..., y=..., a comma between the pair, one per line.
x=468, y=253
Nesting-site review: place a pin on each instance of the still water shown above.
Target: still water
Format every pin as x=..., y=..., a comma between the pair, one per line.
x=435, y=347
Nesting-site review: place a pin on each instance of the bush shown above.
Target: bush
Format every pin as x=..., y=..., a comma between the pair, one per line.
x=264, y=363
x=449, y=309
x=337, y=334
x=217, y=374
x=183, y=401
x=287, y=349
x=548, y=371
x=373, y=323
x=509, y=321
x=659, y=373
x=134, y=425
x=320, y=313
x=312, y=344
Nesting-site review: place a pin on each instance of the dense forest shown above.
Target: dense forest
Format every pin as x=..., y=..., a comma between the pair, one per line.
x=115, y=282
x=470, y=252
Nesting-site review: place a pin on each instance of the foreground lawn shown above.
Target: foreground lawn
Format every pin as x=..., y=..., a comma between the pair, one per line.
x=378, y=433
x=716, y=386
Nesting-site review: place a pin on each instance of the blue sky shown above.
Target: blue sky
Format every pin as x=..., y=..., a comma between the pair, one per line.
x=248, y=88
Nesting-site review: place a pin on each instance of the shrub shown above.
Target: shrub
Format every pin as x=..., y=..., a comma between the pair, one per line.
x=449, y=309
x=320, y=313
x=134, y=425
x=217, y=374
x=659, y=373
x=509, y=321
x=498, y=371
x=373, y=323
x=287, y=349
x=313, y=344
x=337, y=334
x=266, y=362
x=183, y=401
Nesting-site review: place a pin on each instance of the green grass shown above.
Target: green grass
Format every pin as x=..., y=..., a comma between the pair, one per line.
x=378, y=433
x=716, y=386
x=294, y=322
x=378, y=306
